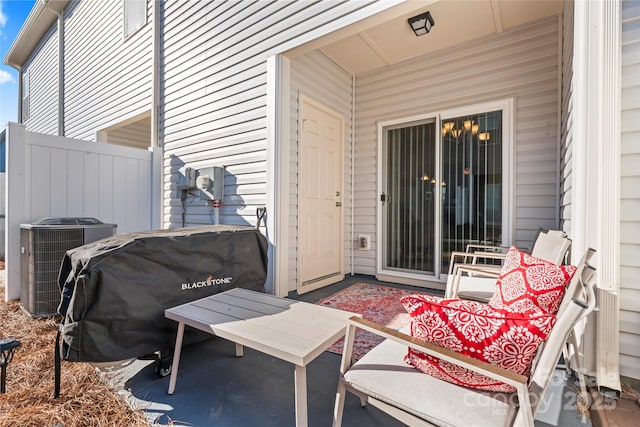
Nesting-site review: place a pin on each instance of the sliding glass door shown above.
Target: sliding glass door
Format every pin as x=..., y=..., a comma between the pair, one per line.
x=472, y=182
x=409, y=198
x=442, y=186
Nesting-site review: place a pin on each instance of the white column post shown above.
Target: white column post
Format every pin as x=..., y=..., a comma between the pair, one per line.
x=596, y=167
x=277, y=197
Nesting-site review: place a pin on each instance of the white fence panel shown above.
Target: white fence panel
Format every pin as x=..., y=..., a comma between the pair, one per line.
x=52, y=176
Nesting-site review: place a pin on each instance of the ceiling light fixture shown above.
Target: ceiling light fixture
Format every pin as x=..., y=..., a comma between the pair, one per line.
x=421, y=24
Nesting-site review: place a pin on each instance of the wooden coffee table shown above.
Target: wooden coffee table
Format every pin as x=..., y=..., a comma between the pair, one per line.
x=290, y=330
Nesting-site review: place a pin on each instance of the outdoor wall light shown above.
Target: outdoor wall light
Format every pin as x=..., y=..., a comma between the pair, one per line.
x=421, y=24
x=7, y=348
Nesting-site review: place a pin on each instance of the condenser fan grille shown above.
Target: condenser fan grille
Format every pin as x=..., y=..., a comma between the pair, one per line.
x=43, y=246
x=46, y=248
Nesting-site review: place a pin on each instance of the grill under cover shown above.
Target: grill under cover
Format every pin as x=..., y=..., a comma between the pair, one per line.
x=115, y=290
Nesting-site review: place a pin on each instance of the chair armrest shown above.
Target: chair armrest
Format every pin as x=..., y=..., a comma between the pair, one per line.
x=511, y=378
x=478, y=270
x=457, y=254
x=472, y=247
x=472, y=258
x=489, y=255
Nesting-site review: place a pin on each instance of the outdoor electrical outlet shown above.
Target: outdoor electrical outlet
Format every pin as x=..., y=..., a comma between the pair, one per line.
x=364, y=242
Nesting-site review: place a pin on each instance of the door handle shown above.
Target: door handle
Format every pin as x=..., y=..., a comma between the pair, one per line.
x=338, y=204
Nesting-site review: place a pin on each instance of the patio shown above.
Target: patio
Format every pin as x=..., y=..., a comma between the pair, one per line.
x=215, y=388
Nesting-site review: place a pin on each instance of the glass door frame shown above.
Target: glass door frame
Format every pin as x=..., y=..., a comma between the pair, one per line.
x=382, y=170
x=382, y=157
x=508, y=207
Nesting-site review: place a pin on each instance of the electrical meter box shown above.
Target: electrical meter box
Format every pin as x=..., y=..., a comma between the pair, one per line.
x=188, y=180
x=210, y=183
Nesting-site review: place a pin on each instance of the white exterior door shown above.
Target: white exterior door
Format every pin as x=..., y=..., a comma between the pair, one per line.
x=320, y=175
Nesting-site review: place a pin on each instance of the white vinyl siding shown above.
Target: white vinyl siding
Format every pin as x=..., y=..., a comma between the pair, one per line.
x=215, y=64
x=42, y=69
x=630, y=193
x=317, y=77
x=107, y=79
x=522, y=63
x=566, y=130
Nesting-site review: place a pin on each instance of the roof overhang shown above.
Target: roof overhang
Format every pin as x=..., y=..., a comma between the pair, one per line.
x=387, y=39
x=37, y=24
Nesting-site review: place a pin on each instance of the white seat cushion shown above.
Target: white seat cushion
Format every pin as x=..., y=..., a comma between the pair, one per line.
x=383, y=375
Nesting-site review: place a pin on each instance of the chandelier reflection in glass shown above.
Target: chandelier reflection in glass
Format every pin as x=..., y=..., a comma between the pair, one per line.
x=471, y=147
x=460, y=128
x=468, y=128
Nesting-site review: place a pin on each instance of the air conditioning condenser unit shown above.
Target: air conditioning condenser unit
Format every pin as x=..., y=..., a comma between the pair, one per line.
x=43, y=245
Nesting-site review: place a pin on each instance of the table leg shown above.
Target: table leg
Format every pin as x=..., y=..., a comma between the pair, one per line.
x=176, y=358
x=300, y=378
x=239, y=350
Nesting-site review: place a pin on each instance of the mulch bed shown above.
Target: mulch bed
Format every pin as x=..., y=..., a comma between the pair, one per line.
x=84, y=399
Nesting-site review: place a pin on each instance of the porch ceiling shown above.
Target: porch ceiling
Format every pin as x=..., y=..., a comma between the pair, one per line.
x=456, y=22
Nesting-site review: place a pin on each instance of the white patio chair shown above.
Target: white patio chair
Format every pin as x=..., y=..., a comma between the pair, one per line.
x=472, y=274
x=383, y=379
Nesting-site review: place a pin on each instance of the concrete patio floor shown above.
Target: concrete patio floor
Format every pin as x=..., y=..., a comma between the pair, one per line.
x=214, y=388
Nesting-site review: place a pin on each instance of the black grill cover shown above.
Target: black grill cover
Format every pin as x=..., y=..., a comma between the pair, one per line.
x=115, y=290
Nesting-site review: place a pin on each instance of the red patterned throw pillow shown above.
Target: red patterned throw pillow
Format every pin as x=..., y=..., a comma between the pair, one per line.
x=529, y=284
x=508, y=340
